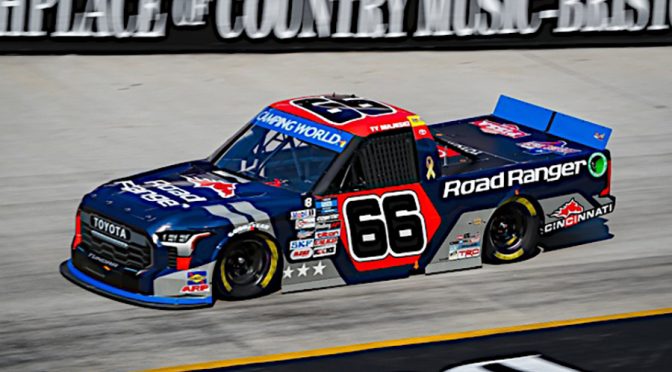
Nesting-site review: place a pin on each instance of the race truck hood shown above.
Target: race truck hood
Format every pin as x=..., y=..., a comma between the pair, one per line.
x=187, y=195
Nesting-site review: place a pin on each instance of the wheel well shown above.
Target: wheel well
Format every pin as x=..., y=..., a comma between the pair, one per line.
x=527, y=248
x=268, y=240
x=255, y=234
x=528, y=201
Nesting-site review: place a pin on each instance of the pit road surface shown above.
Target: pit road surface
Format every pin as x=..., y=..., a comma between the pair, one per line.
x=70, y=123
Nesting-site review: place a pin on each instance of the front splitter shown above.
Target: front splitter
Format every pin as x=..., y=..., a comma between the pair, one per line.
x=71, y=273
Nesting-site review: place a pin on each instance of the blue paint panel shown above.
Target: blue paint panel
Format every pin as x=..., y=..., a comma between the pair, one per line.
x=523, y=113
x=303, y=129
x=134, y=296
x=581, y=131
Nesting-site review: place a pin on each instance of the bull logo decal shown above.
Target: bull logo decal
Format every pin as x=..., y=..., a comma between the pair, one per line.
x=568, y=209
x=223, y=189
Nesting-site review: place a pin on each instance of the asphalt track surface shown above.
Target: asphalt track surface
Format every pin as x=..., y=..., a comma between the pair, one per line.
x=614, y=345
x=70, y=123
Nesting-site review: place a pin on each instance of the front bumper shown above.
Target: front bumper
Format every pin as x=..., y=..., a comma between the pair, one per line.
x=70, y=272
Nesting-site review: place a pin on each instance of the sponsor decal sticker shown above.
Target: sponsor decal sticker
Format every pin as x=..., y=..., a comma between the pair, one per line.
x=197, y=281
x=301, y=254
x=147, y=194
x=174, y=190
x=327, y=203
x=324, y=251
x=477, y=221
x=421, y=133
x=305, y=213
x=328, y=218
x=420, y=130
x=197, y=277
x=416, y=121
x=323, y=242
x=328, y=225
x=544, y=148
x=597, y=164
x=460, y=253
x=328, y=234
x=305, y=223
x=224, y=189
x=572, y=213
x=570, y=208
x=514, y=177
x=303, y=234
x=299, y=244
x=506, y=130
x=466, y=246
x=303, y=129
x=165, y=201
x=326, y=211
x=252, y=226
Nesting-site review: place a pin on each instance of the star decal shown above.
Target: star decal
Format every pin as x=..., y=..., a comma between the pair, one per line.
x=319, y=268
x=303, y=270
x=288, y=272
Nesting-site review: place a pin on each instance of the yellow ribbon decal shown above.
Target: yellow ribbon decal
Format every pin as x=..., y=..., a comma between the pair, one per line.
x=430, y=168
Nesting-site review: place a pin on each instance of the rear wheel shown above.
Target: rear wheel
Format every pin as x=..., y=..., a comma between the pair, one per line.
x=512, y=233
x=247, y=268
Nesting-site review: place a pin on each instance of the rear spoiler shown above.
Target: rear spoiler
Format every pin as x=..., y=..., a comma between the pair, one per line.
x=555, y=123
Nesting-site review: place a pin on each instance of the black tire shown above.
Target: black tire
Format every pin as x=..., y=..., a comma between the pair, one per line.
x=512, y=233
x=248, y=267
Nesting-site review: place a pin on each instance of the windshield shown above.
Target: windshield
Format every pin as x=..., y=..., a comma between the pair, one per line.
x=276, y=159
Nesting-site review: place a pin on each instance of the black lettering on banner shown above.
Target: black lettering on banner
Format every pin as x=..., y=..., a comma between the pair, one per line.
x=299, y=25
x=381, y=226
x=342, y=110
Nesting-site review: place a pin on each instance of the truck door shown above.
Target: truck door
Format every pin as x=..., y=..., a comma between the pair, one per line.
x=387, y=218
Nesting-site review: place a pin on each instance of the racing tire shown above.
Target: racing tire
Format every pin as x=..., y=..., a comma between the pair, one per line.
x=247, y=267
x=512, y=233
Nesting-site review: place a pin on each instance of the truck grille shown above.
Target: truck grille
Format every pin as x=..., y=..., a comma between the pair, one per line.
x=135, y=254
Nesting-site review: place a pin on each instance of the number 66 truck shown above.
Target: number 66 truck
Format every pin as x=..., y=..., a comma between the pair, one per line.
x=330, y=190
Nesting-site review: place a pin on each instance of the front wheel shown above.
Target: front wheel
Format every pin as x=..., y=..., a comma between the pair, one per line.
x=512, y=233
x=247, y=268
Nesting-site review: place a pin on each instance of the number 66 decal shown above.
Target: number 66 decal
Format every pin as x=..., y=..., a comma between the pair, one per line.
x=382, y=226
